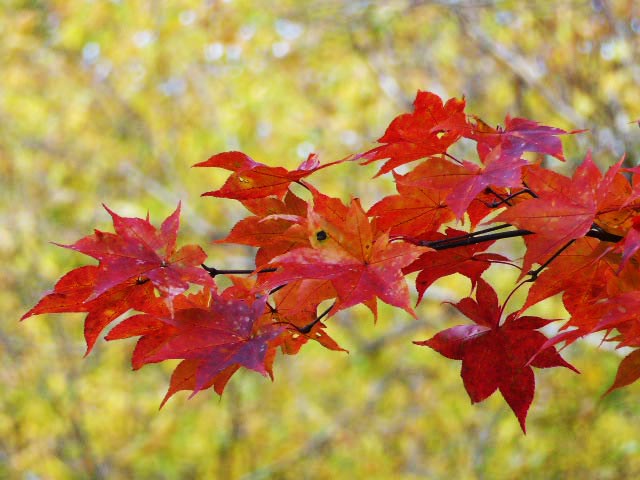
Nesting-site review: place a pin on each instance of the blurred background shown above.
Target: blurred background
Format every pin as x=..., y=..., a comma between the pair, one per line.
x=112, y=101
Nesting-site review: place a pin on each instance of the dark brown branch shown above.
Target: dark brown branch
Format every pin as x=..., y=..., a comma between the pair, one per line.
x=215, y=271
x=465, y=240
x=439, y=244
x=307, y=328
x=474, y=238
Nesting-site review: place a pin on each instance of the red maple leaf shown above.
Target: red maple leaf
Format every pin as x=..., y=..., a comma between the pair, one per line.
x=495, y=356
x=631, y=242
x=222, y=338
x=290, y=204
x=140, y=251
x=583, y=270
x=518, y=136
x=498, y=171
x=69, y=293
x=294, y=305
x=431, y=129
x=219, y=338
x=185, y=377
x=361, y=266
x=253, y=180
x=628, y=371
x=297, y=304
x=461, y=183
x=621, y=312
x=275, y=230
x=72, y=292
x=564, y=209
x=154, y=333
x=414, y=212
x=466, y=260
x=113, y=303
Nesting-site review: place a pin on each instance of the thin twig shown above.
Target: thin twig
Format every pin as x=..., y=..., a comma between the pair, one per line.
x=215, y=271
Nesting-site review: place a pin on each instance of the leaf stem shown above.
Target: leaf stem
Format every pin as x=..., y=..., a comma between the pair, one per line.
x=509, y=197
x=307, y=328
x=504, y=304
x=271, y=292
x=453, y=158
x=534, y=273
x=303, y=184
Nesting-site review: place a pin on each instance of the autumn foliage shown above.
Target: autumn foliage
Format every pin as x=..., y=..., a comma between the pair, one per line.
x=317, y=256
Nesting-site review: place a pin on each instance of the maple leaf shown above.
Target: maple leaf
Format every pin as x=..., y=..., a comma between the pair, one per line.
x=482, y=205
x=294, y=305
x=155, y=329
x=157, y=325
x=628, y=334
x=498, y=171
x=72, y=292
x=634, y=195
x=274, y=231
x=495, y=356
x=431, y=129
x=69, y=293
x=463, y=182
x=361, y=267
x=622, y=313
x=113, y=303
x=628, y=371
x=466, y=260
x=184, y=377
x=563, y=210
x=631, y=242
x=414, y=212
x=617, y=207
x=219, y=337
x=253, y=180
x=598, y=295
x=297, y=304
x=518, y=136
x=583, y=270
x=138, y=250
x=435, y=173
x=290, y=204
